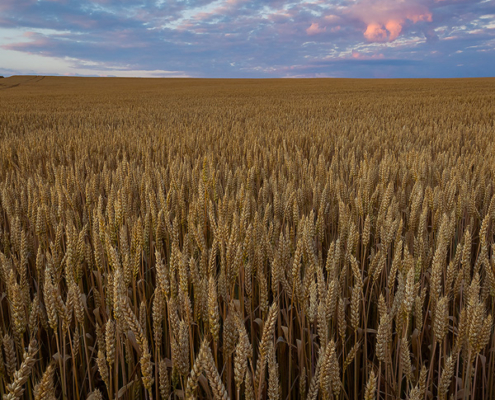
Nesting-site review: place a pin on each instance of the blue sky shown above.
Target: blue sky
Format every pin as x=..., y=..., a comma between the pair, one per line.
x=248, y=38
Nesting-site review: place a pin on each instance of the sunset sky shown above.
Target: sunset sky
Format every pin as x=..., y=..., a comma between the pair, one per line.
x=248, y=38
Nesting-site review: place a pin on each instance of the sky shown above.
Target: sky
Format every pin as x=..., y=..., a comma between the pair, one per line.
x=248, y=38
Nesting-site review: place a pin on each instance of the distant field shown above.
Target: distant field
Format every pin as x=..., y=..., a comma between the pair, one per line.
x=247, y=239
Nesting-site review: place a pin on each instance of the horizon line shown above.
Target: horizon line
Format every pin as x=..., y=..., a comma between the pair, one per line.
x=245, y=78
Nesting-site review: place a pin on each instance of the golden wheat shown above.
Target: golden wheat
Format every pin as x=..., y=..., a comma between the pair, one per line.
x=247, y=239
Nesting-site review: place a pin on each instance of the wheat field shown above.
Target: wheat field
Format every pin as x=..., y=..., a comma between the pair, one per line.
x=247, y=239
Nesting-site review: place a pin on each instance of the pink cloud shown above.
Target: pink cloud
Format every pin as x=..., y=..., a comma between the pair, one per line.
x=394, y=27
x=280, y=16
x=375, y=33
x=35, y=39
x=6, y=5
x=315, y=29
x=332, y=18
x=385, y=19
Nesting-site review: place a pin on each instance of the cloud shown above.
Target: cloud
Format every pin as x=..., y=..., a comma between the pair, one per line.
x=6, y=5
x=251, y=38
x=375, y=33
x=385, y=19
x=356, y=55
x=314, y=29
